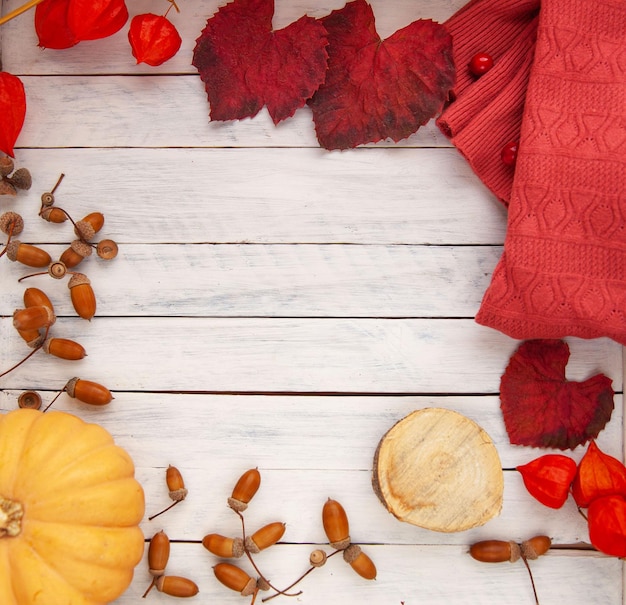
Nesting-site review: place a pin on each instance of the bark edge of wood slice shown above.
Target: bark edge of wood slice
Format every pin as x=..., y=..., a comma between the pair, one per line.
x=439, y=470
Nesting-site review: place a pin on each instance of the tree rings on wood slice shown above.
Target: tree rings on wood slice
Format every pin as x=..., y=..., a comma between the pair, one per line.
x=439, y=470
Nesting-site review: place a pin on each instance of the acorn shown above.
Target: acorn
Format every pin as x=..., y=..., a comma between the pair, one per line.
x=175, y=586
x=33, y=338
x=64, y=349
x=34, y=297
x=360, y=562
x=317, y=558
x=176, y=487
x=495, y=551
x=6, y=165
x=88, y=392
x=535, y=547
x=30, y=400
x=265, y=537
x=53, y=215
x=107, y=249
x=11, y=223
x=158, y=553
x=27, y=254
x=336, y=525
x=82, y=295
x=76, y=253
x=21, y=179
x=33, y=318
x=244, y=490
x=89, y=225
x=221, y=546
x=6, y=188
x=235, y=578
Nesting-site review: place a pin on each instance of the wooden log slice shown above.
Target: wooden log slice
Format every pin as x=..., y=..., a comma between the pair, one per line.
x=439, y=470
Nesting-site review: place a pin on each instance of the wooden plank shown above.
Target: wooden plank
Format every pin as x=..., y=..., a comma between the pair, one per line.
x=289, y=355
x=274, y=280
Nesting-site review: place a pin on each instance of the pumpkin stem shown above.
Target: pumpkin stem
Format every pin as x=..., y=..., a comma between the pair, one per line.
x=11, y=514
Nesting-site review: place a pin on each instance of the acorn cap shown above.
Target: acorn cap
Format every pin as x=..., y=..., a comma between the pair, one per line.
x=6, y=165
x=81, y=248
x=71, y=386
x=84, y=229
x=7, y=188
x=11, y=222
x=76, y=280
x=21, y=179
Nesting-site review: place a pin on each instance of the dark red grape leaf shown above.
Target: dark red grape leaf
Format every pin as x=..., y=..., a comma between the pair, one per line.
x=246, y=65
x=12, y=111
x=377, y=89
x=541, y=408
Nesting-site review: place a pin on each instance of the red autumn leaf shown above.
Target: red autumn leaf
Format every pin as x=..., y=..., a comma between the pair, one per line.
x=12, y=111
x=95, y=19
x=377, y=89
x=51, y=26
x=606, y=518
x=548, y=478
x=541, y=408
x=246, y=65
x=598, y=474
x=153, y=39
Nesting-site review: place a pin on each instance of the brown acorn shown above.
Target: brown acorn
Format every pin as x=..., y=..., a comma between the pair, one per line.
x=235, y=578
x=27, y=254
x=30, y=400
x=82, y=295
x=221, y=546
x=6, y=188
x=88, y=392
x=244, y=490
x=175, y=586
x=34, y=297
x=495, y=551
x=336, y=525
x=76, y=253
x=21, y=179
x=11, y=223
x=158, y=553
x=33, y=338
x=175, y=484
x=535, y=547
x=7, y=165
x=64, y=349
x=89, y=225
x=265, y=537
x=53, y=215
x=107, y=249
x=360, y=562
x=33, y=318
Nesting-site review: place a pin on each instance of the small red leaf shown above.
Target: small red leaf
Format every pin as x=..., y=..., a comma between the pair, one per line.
x=153, y=39
x=606, y=517
x=543, y=409
x=51, y=25
x=246, y=65
x=377, y=89
x=95, y=19
x=598, y=474
x=548, y=478
x=12, y=111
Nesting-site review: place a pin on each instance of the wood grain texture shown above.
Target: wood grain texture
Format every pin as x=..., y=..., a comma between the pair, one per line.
x=278, y=306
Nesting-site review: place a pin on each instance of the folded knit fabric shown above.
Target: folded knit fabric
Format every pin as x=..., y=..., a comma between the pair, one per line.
x=563, y=270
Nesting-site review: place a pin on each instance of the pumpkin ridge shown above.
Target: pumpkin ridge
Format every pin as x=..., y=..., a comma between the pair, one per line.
x=27, y=420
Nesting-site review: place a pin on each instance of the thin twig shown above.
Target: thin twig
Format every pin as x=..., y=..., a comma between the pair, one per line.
x=19, y=10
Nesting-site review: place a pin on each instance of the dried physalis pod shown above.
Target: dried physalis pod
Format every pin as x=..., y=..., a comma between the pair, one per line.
x=64, y=348
x=82, y=295
x=27, y=254
x=176, y=586
x=495, y=551
x=30, y=400
x=53, y=215
x=221, y=546
x=318, y=557
x=76, y=253
x=107, y=249
x=11, y=223
x=33, y=318
x=176, y=486
x=265, y=537
x=88, y=392
x=235, y=578
x=89, y=225
x=360, y=562
x=34, y=297
x=21, y=179
x=535, y=547
x=244, y=490
x=336, y=524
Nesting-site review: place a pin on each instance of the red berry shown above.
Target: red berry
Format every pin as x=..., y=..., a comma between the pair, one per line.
x=153, y=39
x=480, y=64
x=509, y=154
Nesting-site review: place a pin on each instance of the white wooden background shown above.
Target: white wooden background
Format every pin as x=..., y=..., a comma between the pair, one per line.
x=280, y=306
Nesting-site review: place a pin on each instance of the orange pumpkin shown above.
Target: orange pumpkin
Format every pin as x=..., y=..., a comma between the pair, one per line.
x=70, y=510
